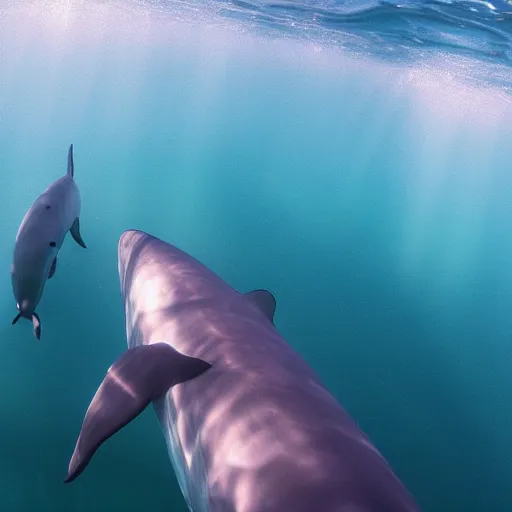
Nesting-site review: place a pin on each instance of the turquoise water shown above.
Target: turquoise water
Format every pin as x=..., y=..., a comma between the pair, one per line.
x=372, y=195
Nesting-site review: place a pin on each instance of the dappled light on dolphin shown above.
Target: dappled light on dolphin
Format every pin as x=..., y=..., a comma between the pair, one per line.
x=251, y=428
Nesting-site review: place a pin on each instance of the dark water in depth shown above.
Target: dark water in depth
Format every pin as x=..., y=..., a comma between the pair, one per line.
x=354, y=163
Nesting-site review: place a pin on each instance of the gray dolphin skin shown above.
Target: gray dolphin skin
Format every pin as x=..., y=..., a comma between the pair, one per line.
x=40, y=236
x=249, y=426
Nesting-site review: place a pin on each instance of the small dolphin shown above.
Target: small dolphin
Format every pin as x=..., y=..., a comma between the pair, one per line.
x=248, y=424
x=55, y=212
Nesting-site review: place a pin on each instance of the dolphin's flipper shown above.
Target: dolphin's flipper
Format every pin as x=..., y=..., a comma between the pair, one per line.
x=16, y=318
x=53, y=268
x=71, y=165
x=75, y=233
x=36, y=322
x=265, y=302
x=140, y=375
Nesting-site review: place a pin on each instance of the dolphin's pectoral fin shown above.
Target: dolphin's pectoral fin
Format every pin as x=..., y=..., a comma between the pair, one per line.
x=16, y=318
x=53, y=268
x=265, y=302
x=36, y=322
x=75, y=233
x=139, y=376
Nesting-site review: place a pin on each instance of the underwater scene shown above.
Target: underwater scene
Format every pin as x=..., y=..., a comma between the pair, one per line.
x=352, y=157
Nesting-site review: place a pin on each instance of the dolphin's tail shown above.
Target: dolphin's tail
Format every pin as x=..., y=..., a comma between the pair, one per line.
x=71, y=167
x=36, y=322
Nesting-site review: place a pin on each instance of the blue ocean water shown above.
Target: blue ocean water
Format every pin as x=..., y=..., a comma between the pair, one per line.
x=353, y=157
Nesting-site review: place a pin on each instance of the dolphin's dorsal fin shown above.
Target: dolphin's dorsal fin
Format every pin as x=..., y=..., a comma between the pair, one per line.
x=138, y=377
x=265, y=302
x=71, y=166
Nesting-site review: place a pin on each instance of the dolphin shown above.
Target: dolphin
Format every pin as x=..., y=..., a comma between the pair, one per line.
x=40, y=236
x=248, y=424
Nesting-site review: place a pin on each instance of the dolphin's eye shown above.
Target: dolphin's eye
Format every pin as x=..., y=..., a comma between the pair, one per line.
x=47, y=206
x=53, y=244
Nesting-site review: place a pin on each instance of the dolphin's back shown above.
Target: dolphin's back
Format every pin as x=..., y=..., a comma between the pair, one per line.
x=257, y=432
x=265, y=436
x=65, y=194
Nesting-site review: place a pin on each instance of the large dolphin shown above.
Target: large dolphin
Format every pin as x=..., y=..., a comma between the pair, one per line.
x=249, y=426
x=40, y=236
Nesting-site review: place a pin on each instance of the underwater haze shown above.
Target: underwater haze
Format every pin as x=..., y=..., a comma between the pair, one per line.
x=352, y=157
